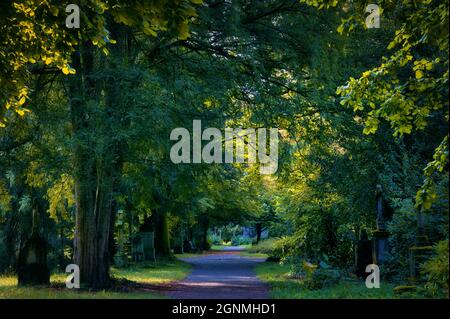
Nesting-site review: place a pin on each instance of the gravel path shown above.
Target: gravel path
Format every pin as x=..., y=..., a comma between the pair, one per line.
x=221, y=275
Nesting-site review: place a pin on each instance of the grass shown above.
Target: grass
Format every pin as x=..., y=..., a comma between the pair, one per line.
x=254, y=255
x=283, y=287
x=154, y=273
x=213, y=249
x=147, y=273
x=222, y=247
x=265, y=246
x=218, y=247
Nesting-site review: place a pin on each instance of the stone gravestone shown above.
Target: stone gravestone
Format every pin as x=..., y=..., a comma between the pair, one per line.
x=127, y=250
x=188, y=246
x=422, y=249
x=148, y=245
x=137, y=248
x=143, y=246
x=380, y=235
x=363, y=254
x=178, y=240
x=32, y=264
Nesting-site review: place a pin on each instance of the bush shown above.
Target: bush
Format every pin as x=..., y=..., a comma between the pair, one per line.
x=215, y=239
x=436, y=271
x=325, y=277
x=271, y=246
x=405, y=291
x=314, y=276
x=240, y=240
x=230, y=231
x=402, y=229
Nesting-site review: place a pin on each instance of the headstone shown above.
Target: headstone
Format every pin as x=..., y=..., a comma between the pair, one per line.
x=148, y=245
x=417, y=256
x=189, y=246
x=422, y=249
x=32, y=266
x=363, y=254
x=128, y=251
x=380, y=246
x=380, y=235
x=137, y=248
x=177, y=240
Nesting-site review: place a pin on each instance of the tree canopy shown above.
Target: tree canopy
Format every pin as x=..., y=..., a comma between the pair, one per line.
x=86, y=115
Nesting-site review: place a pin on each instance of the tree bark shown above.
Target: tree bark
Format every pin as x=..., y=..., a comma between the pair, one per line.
x=258, y=232
x=162, y=238
x=94, y=174
x=204, y=223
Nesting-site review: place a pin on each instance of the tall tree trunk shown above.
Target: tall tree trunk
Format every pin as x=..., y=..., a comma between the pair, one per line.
x=93, y=179
x=258, y=232
x=204, y=223
x=112, y=248
x=62, y=260
x=162, y=237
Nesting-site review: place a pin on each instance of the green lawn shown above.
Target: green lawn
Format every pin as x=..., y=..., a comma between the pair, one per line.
x=151, y=273
x=144, y=274
x=222, y=247
x=218, y=247
x=254, y=255
x=283, y=287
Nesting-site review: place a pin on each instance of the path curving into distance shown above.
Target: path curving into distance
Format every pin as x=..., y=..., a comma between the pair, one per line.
x=221, y=275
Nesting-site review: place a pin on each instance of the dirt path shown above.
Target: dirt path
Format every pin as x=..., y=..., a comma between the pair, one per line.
x=221, y=275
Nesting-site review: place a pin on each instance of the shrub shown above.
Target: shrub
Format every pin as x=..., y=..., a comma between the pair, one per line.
x=320, y=276
x=403, y=228
x=313, y=276
x=436, y=271
x=230, y=231
x=271, y=246
x=214, y=239
x=324, y=278
x=240, y=240
x=406, y=291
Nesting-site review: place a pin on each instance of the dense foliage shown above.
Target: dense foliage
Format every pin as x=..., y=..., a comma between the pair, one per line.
x=86, y=117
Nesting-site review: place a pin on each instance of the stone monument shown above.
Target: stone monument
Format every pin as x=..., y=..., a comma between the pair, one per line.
x=32, y=264
x=380, y=235
x=143, y=247
x=422, y=249
x=148, y=243
x=137, y=248
x=363, y=254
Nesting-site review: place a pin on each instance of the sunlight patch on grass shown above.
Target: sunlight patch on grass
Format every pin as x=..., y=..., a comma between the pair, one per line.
x=51, y=293
x=218, y=247
x=151, y=273
x=253, y=255
x=146, y=273
x=222, y=247
x=9, y=289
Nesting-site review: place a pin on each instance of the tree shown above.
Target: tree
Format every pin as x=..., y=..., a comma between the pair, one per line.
x=411, y=85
